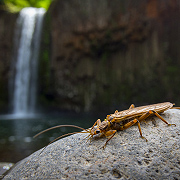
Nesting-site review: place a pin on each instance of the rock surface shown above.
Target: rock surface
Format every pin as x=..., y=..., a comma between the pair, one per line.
x=4, y=167
x=126, y=156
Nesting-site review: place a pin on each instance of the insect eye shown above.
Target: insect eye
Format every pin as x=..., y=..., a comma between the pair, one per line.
x=97, y=131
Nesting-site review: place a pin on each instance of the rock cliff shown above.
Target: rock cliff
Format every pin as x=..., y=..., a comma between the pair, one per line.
x=7, y=26
x=106, y=54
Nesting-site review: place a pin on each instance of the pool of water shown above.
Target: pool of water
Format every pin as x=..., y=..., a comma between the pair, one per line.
x=16, y=134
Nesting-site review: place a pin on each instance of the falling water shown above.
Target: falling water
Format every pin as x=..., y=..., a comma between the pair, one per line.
x=27, y=42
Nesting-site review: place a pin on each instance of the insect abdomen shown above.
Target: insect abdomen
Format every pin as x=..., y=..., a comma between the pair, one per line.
x=138, y=111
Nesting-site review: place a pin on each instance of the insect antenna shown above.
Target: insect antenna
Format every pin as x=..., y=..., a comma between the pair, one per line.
x=60, y=138
x=54, y=127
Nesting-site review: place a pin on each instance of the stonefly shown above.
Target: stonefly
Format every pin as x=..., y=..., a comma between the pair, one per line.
x=120, y=121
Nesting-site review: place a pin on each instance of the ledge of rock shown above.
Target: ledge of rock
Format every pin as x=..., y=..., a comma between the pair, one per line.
x=126, y=156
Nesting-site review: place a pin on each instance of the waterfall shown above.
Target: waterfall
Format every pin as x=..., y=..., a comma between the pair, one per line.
x=27, y=43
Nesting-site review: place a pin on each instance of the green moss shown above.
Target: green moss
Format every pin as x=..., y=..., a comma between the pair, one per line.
x=17, y=5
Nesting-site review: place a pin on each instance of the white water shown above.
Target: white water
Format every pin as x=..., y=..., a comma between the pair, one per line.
x=27, y=42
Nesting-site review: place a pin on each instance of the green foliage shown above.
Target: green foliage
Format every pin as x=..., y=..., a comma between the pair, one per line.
x=17, y=5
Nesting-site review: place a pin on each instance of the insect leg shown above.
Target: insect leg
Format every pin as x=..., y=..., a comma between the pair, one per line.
x=98, y=122
x=151, y=112
x=156, y=114
x=132, y=106
x=108, y=133
x=145, y=116
x=139, y=127
x=129, y=124
x=175, y=108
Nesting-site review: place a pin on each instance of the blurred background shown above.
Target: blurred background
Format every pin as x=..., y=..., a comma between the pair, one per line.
x=73, y=61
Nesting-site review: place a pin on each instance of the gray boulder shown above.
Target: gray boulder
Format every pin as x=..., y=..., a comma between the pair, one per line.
x=126, y=156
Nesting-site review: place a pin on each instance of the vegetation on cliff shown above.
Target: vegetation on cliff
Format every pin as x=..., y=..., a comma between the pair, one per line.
x=17, y=5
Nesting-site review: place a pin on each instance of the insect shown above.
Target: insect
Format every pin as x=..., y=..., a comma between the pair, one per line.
x=120, y=121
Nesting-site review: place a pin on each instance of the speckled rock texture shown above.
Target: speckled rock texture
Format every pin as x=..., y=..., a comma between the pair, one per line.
x=126, y=156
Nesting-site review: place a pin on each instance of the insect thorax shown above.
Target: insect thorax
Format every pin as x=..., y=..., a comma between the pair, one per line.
x=119, y=125
x=104, y=125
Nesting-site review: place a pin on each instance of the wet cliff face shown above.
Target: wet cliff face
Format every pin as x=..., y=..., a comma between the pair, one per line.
x=7, y=25
x=106, y=54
